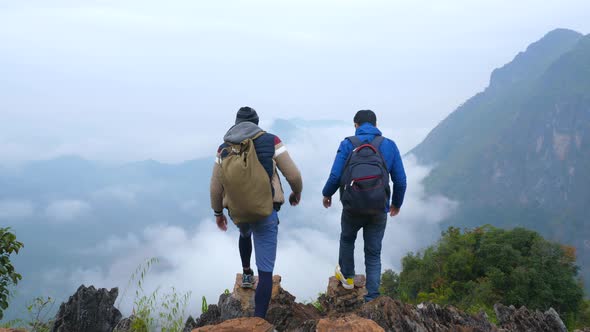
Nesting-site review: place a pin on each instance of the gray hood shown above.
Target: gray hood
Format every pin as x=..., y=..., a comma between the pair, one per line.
x=241, y=131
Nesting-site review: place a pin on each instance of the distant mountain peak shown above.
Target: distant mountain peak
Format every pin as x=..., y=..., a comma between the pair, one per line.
x=537, y=57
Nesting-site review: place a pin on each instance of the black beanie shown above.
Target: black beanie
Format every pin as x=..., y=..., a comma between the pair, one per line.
x=364, y=116
x=247, y=114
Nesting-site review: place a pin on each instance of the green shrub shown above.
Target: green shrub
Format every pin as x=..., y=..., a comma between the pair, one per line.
x=477, y=268
x=8, y=276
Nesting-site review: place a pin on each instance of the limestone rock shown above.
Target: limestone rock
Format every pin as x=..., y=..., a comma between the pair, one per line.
x=349, y=323
x=392, y=315
x=524, y=319
x=190, y=324
x=283, y=311
x=246, y=295
x=88, y=310
x=338, y=299
x=287, y=315
x=124, y=325
x=249, y=324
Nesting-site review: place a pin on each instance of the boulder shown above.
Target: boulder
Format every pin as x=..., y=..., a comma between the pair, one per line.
x=247, y=324
x=88, y=310
x=523, y=319
x=349, y=323
x=339, y=299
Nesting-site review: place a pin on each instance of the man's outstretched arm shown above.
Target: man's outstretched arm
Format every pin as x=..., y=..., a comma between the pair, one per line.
x=287, y=166
x=398, y=176
x=216, y=195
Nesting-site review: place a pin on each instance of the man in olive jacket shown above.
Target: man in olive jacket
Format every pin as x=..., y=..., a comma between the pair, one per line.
x=272, y=154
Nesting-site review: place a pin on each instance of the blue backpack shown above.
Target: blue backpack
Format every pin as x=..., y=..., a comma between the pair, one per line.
x=364, y=185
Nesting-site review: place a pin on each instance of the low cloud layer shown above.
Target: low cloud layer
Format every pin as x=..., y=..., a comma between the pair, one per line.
x=204, y=260
x=15, y=209
x=66, y=211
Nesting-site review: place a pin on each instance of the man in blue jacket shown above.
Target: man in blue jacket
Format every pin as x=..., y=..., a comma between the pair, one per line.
x=373, y=224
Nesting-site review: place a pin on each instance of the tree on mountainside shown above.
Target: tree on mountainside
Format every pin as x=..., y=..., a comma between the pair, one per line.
x=477, y=268
x=8, y=276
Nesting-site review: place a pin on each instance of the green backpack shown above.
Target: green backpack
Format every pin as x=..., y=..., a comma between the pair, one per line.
x=246, y=184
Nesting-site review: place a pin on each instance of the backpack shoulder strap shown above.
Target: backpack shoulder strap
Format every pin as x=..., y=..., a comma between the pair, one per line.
x=356, y=142
x=377, y=141
x=258, y=135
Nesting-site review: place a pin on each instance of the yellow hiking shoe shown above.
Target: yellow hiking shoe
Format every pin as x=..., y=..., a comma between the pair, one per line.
x=346, y=283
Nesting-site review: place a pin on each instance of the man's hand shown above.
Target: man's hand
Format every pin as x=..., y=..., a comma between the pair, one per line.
x=294, y=199
x=221, y=222
x=393, y=211
x=327, y=202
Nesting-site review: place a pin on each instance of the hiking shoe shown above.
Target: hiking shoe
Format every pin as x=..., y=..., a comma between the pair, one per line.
x=346, y=283
x=247, y=281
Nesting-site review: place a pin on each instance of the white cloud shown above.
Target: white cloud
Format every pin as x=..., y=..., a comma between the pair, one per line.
x=65, y=211
x=204, y=260
x=16, y=209
x=126, y=195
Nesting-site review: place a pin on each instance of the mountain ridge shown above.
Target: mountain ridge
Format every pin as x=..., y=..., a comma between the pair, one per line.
x=516, y=154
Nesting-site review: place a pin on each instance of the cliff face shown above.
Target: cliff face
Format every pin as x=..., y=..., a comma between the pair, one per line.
x=517, y=154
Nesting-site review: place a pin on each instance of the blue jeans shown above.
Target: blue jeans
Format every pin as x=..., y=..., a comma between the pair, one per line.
x=265, y=234
x=373, y=230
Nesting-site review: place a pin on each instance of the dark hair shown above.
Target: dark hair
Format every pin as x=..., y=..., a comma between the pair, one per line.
x=364, y=116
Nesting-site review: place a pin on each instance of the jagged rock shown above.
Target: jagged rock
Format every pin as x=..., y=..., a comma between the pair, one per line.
x=246, y=295
x=287, y=315
x=230, y=307
x=190, y=324
x=212, y=316
x=124, y=325
x=88, y=310
x=349, y=323
x=339, y=299
x=523, y=319
x=392, y=315
x=345, y=310
x=248, y=324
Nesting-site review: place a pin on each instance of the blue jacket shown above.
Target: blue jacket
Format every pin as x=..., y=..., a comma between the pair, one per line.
x=366, y=133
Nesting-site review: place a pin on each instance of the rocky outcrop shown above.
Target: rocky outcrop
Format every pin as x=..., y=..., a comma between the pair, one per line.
x=92, y=310
x=250, y=324
x=393, y=315
x=88, y=310
x=522, y=319
x=341, y=300
x=345, y=310
x=190, y=324
x=284, y=313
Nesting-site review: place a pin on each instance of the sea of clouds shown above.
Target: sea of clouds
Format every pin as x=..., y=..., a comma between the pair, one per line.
x=203, y=260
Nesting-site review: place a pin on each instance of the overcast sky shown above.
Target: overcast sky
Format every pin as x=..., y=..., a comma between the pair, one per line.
x=126, y=80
